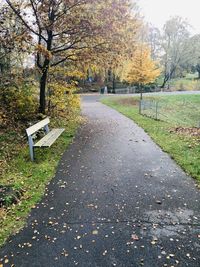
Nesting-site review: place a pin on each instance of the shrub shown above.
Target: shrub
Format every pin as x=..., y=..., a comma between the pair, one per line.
x=20, y=101
x=62, y=99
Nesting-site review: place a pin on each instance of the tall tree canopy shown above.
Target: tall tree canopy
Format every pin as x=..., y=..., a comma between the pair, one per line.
x=174, y=45
x=74, y=30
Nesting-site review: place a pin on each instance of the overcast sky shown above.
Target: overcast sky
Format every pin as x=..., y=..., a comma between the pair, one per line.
x=158, y=12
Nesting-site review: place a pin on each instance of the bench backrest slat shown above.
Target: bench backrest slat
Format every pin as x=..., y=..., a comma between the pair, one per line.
x=31, y=130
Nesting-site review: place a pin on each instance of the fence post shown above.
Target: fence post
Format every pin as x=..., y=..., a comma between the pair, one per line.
x=156, y=110
x=140, y=107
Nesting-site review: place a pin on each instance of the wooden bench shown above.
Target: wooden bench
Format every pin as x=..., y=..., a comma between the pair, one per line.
x=49, y=138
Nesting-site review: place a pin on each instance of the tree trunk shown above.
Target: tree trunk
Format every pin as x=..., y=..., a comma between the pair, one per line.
x=165, y=81
x=141, y=91
x=141, y=98
x=198, y=70
x=198, y=73
x=114, y=85
x=168, y=76
x=43, y=81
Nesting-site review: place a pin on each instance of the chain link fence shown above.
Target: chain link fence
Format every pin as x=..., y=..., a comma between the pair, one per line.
x=183, y=113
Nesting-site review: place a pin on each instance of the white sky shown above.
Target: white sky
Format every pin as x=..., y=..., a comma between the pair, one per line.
x=157, y=12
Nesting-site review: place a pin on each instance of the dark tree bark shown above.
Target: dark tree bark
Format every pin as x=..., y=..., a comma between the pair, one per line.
x=43, y=82
x=114, y=83
x=198, y=70
x=141, y=91
x=168, y=76
x=45, y=68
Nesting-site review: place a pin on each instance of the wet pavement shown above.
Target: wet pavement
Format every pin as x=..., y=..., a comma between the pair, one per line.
x=116, y=200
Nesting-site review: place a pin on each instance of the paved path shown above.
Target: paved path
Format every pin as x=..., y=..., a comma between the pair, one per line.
x=116, y=200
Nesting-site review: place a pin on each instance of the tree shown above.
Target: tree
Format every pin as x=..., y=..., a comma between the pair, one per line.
x=141, y=69
x=13, y=50
x=194, y=52
x=12, y=40
x=67, y=31
x=174, y=45
x=154, y=42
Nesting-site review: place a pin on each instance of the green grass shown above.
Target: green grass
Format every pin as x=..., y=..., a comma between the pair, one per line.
x=189, y=83
x=31, y=177
x=185, y=84
x=184, y=149
x=181, y=110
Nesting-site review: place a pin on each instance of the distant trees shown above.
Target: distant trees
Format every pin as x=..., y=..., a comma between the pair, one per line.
x=154, y=41
x=194, y=53
x=174, y=45
x=177, y=51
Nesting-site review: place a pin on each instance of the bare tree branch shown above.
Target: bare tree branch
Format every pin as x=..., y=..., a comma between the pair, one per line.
x=23, y=21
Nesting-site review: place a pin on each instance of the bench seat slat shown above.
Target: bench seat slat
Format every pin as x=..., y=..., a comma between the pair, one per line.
x=50, y=138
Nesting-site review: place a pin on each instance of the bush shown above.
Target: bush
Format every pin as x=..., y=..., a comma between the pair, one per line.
x=62, y=99
x=20, y=101
x=186, y=85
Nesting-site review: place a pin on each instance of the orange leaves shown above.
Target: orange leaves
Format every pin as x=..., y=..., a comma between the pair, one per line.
x=42, y=50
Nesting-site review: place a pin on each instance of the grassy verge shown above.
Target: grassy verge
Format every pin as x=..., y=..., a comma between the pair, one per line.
x=30, y=177
x=177, y=110
x=188, y=83
x=184, y=149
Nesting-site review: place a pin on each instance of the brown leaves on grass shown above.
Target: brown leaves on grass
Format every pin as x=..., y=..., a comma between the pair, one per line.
x=128, y=101
x=193, y=131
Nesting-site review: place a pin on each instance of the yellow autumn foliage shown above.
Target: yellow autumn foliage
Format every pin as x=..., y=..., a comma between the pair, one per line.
x=62, y=97
x=140, y=68
x=19, y=101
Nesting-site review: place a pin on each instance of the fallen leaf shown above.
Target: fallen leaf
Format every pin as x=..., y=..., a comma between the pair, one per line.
x=135, y=237
x=95, y=232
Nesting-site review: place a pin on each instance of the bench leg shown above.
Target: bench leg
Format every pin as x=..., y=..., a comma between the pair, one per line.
x=46, y=128
x=32, y=153
x=31, y=148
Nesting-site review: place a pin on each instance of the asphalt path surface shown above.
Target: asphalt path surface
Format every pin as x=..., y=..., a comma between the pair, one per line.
x=116, y=200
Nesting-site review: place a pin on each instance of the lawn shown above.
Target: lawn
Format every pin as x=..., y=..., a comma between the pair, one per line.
x=177, y=110
x=188, y=83
x=29, y=178
x=175, y=133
